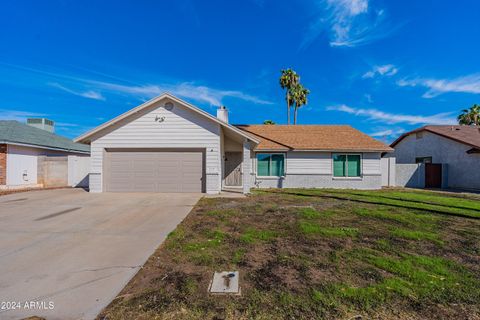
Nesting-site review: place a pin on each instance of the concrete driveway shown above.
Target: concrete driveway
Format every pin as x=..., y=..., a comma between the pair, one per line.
x=67, y=253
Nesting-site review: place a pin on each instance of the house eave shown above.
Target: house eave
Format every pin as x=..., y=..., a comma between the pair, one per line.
x=37, y=146
x=324, y=150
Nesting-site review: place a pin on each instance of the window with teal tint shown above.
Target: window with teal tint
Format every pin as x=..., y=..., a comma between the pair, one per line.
x=277, y=165
x=346, y=165
x=263, y=164
x=353, y=165
x=339, y=163
x=270, y=165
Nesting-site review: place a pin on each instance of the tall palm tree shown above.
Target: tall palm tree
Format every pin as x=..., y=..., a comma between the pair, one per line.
x=300, y=98
x=470, y=116
x=288, y=80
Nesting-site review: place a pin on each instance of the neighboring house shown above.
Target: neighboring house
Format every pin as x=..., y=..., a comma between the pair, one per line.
x=451, y=154
x=169, y=145
x=23, y=147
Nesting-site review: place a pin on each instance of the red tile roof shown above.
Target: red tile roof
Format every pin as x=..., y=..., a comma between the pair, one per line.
x=313, y=137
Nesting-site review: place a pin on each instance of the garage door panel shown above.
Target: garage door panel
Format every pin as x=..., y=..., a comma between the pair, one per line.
x=155, y=171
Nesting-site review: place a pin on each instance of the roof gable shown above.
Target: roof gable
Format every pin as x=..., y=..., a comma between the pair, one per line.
x=87, y=137
x=468, y=135
x=14, y=132
x=313, y=137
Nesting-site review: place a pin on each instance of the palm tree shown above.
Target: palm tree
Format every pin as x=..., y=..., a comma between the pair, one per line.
x=300, y=98
x=268, y=122
x=470, y=116
x=288, y=80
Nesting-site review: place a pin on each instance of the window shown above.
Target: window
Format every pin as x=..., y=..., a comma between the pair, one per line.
x=346, y=165
x=270, y=165
x=423, y=160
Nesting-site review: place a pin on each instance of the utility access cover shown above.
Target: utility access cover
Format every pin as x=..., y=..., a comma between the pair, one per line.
x=225, y=282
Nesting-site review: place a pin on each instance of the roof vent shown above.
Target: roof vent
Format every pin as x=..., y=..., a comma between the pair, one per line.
x=168, y=106
x=42, y=123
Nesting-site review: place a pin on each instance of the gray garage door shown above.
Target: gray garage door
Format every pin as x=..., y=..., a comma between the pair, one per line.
x=154, y=171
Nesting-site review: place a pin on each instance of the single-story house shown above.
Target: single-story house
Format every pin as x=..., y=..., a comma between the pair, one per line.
x=169, y=145
x=23, y=145
x=451, y=154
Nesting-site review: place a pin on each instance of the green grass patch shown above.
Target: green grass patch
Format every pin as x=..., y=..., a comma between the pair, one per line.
x=215, y=239
x=416, y=235
x=427, y=197
x=222, y=214
x=312, y=228
x=451, y=206
x=238, y=255
x=253, y=235
x=311, y=214
x=401, y=216
x=430, y=278
x=384, y=244
x=363, y=298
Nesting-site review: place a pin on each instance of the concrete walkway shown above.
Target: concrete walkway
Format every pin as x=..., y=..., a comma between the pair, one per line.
x=65, y=254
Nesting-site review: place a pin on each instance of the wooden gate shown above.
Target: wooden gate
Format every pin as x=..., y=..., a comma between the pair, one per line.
x=433, y=175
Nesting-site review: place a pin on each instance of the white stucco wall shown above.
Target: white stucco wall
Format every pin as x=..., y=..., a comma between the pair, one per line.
x=22, y=159
x=315, y=170
x=463, y=168
x=78, y=170
x=388, y=168
x=180, y=128
x=22, y=165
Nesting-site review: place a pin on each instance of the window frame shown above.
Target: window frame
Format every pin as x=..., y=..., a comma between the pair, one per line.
x=422, y=160
x=346, y=154
x=270, y=154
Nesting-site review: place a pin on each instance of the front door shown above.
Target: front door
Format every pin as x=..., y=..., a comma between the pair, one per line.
x=233, y=169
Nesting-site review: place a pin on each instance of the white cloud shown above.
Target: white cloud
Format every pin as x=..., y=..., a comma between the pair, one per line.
x=185, y=90
x=386, y=70
x=20, y=116
x=368, y=97
x=392, y=118
x=190, y=90
x=436, y=87
x=387, y=133
x=90, y=94
x=350, y=23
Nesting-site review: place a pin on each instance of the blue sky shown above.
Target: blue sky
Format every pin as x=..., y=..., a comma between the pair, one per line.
x=383, y=67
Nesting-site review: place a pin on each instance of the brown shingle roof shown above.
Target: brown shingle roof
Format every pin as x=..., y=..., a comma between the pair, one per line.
x=313, y=137
x=469, y=135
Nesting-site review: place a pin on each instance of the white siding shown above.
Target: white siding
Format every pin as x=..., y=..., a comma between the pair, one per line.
x=246, y=167
x=181, y=128
x=321, y=163
x=371, y=164
x=309, y=163
x=315, y=170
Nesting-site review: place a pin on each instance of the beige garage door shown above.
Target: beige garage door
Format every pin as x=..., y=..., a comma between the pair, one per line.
x=154, y=171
